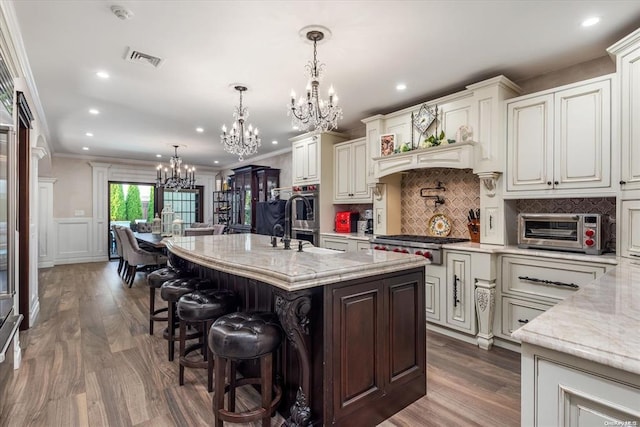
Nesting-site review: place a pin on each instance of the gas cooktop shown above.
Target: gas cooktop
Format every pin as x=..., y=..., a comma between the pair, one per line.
x=421, y=239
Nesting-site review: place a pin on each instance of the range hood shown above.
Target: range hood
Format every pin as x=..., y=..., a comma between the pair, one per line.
x=459, y=155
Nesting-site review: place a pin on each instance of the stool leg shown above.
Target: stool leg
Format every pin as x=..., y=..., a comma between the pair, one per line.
x=183, y=333
x=218, y=394
x=172, y=329
x=152, y=307
x=232, y=386
x=208, y=355
x=266, y=386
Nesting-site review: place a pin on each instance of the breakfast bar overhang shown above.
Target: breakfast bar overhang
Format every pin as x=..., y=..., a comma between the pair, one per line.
x=355, y=351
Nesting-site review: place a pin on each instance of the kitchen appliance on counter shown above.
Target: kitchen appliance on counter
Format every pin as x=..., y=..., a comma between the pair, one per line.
x=427, y=246
x=585, y=233
x=347, y=222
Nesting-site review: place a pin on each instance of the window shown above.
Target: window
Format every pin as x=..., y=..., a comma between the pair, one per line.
x=187, y=204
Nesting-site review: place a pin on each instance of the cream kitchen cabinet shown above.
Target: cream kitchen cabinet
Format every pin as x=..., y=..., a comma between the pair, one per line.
x=306, y=161
x=347, y=243
x=564, y=390
x=312, y=159
x=560, y=140
x=630, y=226
x=350, y=172
x=627, y=53
x=529, y=285
x=459, y=299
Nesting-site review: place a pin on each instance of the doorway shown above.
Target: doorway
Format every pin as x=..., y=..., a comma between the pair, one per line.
x=131, y=203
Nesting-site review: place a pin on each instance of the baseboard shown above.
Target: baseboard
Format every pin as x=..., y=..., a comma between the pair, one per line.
x=34, y=311
x=499, y=342
x=471, y=339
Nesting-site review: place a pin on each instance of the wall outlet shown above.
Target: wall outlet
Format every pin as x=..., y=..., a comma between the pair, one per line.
x=79, y=212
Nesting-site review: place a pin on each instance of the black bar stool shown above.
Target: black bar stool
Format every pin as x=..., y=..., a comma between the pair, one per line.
x=171, y=292
x=155, y=280
x=245, y=336
x=201, y=309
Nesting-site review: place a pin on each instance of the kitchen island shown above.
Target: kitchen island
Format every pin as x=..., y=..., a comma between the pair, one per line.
x=355, y=352
x=581, y=358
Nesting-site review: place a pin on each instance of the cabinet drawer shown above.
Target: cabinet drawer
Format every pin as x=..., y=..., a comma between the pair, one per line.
x=336, y=244
x=362, y=246
x=517, y=313
x=552, y=280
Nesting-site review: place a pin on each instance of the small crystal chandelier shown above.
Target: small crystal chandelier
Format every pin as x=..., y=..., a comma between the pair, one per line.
x=174, y=179
x=239, y=140
x=313, y=113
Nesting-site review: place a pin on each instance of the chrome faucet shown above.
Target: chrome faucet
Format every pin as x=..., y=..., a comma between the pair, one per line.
x=287, y=218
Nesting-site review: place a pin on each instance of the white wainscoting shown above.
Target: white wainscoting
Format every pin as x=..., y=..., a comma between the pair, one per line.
x=75, y=241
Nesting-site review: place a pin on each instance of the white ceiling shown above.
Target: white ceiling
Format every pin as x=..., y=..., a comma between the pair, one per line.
x=432, y=46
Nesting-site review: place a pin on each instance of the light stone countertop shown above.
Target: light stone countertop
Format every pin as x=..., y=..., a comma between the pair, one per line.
x=514, y=250
x=600, y=322
x=252, y=256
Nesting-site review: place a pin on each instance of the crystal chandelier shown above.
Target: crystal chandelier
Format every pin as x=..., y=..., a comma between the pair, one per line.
x=239, y=140
x=174, y=179
x=313, y=113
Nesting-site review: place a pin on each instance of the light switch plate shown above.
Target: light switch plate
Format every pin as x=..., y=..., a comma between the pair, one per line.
x=79, y=212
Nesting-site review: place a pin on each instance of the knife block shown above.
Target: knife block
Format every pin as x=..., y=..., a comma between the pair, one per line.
x=474, y=230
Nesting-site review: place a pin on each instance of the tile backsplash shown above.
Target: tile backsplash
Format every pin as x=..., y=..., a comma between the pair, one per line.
x=462, y=193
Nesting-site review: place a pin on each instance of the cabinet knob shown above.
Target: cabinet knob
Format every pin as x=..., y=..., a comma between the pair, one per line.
x=555, y=183
x=623, y=182
x=548, y=182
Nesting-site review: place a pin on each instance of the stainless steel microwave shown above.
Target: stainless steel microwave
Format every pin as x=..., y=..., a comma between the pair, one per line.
x=568, y=232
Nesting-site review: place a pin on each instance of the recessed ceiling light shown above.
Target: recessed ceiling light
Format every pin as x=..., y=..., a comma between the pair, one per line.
x=216, y=162
x=199, y=130
x=85, y=148
x=93, y=111
x=274, y=142
x=590, y=21
x=401, y=86
x=89, y=134
x=102, y=74
x=158, y=155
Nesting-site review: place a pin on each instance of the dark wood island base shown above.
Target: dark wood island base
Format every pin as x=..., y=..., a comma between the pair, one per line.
x=355, y=352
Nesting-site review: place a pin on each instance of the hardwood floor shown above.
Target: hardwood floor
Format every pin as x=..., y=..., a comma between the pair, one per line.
x=89, y=361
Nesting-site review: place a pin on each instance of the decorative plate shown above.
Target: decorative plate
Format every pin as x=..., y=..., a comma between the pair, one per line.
x=439, y=225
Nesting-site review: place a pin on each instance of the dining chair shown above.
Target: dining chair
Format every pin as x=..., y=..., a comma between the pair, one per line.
x=137, y=257
x=116, y=237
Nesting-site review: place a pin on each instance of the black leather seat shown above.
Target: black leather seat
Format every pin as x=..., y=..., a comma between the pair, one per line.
x=155, y=280
x=171, y=291
x=242, y=336
x=200, y=309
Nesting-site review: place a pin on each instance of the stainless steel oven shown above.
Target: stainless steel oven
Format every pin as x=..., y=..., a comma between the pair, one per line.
x=312, y=236
x=303, y=218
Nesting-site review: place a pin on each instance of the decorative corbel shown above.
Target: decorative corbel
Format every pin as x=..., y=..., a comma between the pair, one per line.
x=378, y=190
x=489, y=180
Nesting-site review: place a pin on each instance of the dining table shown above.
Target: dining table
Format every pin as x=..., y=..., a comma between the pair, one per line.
x=150, y=239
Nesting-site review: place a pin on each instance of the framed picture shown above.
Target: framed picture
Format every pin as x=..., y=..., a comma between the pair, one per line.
x=387, y=143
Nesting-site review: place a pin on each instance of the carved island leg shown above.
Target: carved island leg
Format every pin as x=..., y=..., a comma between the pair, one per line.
x=292, y=309
x=485, y=296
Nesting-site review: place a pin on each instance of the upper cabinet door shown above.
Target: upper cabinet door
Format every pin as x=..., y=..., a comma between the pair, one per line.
x=629, y=66
x=305, y=161
x=360, y=171
x=342, y=164
x=530, y=143
x=582, y=136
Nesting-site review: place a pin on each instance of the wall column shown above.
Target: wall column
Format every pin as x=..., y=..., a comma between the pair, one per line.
x=37, y=153
x=46, y=229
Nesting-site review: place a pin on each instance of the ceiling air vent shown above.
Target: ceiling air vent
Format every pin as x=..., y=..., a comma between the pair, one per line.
x=143, y=58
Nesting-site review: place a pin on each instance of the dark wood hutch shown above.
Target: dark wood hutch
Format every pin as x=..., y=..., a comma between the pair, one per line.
x=249, y=185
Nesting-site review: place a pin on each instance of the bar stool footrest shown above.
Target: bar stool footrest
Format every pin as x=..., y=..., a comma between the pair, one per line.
x=255, y=414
